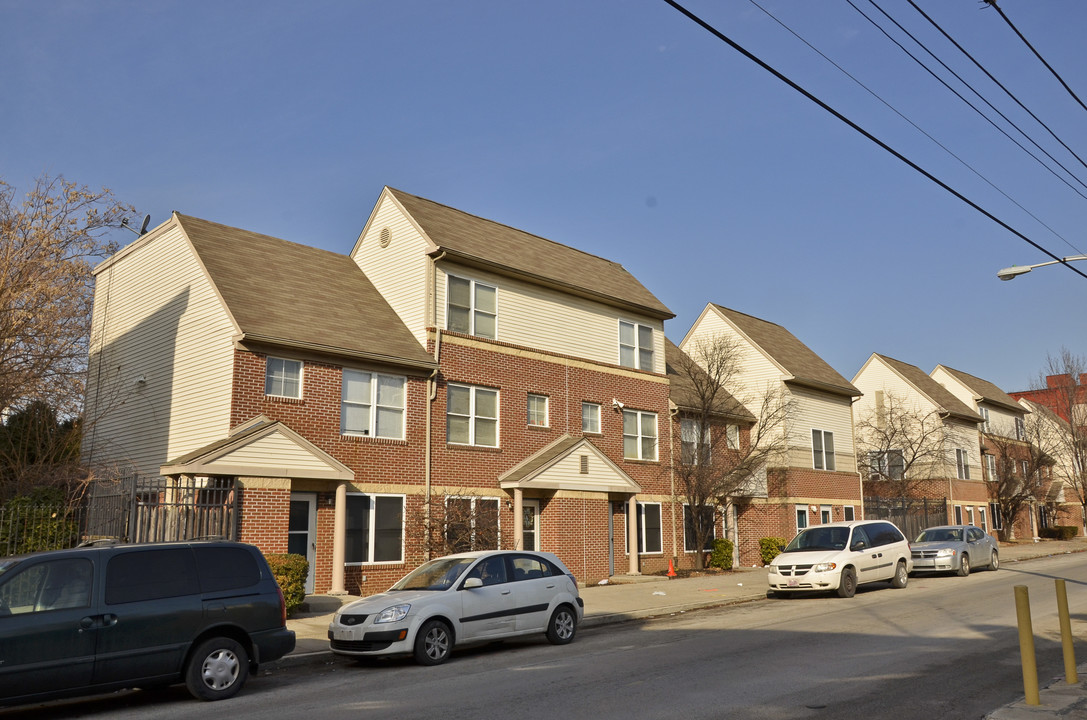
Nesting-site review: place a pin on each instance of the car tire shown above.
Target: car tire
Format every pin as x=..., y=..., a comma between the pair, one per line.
x=964, y=565
x=901, y=577
x=847, y=586
x=217, y=669
x=562, y=626
x=433, y=643
x=994, y=561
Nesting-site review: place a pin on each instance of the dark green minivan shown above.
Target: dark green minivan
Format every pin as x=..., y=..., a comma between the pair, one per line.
x=95, y=619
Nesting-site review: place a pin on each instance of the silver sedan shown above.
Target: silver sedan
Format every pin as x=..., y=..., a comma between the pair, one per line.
x=954, y=548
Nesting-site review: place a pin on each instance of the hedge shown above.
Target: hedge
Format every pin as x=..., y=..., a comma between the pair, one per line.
x=771, y=547
x=721, y=557
x=1059, y=532
x=290, y=572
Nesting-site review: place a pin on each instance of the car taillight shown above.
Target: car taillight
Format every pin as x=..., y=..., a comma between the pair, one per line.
x=282, y=606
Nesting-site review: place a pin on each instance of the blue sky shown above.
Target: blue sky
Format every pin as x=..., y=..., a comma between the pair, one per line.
x=616, y=126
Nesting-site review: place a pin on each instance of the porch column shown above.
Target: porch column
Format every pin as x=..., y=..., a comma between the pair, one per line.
x=339, y=540
x=518, y=520
x=632, y=533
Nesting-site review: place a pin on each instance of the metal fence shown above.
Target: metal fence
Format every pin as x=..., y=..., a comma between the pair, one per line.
x=129, y=509
x=911, y=515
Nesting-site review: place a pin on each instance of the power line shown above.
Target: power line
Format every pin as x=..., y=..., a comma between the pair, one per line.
x=992, y=4
x=917, y=127
x=968, y=103
x=996, y=82
x=743, y=51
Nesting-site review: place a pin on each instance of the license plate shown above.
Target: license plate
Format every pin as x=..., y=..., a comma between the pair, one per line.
x=793, y=583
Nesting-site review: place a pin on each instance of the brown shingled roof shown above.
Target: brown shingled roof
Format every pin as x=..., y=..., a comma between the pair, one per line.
x=985, y=390
x=284, y=293
x=796, y=358
x=681, y=392
x=500, y=248
x=933, y=390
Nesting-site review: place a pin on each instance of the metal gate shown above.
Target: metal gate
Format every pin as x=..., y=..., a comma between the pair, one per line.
x=162, y=509
x=911, y=515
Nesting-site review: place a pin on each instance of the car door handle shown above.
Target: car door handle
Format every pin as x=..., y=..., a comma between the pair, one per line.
x=505, y=592
x=551, y=586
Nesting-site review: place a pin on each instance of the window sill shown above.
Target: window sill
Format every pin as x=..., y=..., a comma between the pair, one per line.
x=476, y=448
x=284, y=399
x=349, y=437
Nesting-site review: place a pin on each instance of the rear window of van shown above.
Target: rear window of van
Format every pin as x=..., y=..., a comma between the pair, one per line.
x=150, y=575
x=226, y=568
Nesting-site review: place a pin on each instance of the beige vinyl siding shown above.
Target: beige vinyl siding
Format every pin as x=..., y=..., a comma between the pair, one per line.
x=538, y=317
x=819, y=411
x=273, y=453
x=956, y=388
x=399, y=270
x=877, y=376
x=963, y=436
x=167, y=326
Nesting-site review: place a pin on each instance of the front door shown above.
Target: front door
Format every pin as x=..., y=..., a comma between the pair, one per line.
x=300, y=528
x=530, y=524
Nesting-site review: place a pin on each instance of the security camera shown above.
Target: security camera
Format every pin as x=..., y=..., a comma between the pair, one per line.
x=616, y=404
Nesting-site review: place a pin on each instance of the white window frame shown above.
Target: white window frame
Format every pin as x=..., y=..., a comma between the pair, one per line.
x=593, y=415
x=994, y=513
x=474, y=311
x=374, y=405
x=826, y=514
x=372, y=528
x=849, y=513
x=732, y=437
x=693, y=450
x=686, y=514
x=640, y=437
x=821, y=457
x=641, y=357
x=473, y=416
x=279, y=374
x=642, y=530
x=990, y=465
x=962, y=463
x=802, y=520
x=958, y=514
x=1020, y=429
x=533, y=414
x=986, y=425
x=473, y=510
x=981, y=519
x=970, y=514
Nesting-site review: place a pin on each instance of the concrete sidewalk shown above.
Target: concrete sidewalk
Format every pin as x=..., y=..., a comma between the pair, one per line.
x=627, y=598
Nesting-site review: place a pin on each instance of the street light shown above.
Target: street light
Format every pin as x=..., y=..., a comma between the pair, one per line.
x=1015, y=271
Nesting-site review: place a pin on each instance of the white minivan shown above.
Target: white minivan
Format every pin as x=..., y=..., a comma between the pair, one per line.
x=840, y=556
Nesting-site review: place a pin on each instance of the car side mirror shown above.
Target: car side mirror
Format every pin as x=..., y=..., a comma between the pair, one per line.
x=858, y=546
x=472, y=582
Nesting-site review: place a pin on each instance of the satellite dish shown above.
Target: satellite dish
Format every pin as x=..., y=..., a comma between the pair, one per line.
x=143, y=227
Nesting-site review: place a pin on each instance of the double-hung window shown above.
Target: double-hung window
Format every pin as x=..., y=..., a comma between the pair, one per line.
x=732, y=437
x=537, y=410
x=822, y=448
x=283, y=378
x=471, y=524
x=886, y=465
x=471, y=416
x=639, y=435
x=990, y=465
x=962, y=464
x=372, y=404
x=635, y=345
x=695, y=446
x=375, y=528
x=590, y=417
x=986, y=425
x=1020, y=429
x=472, y=308
x=708, y=521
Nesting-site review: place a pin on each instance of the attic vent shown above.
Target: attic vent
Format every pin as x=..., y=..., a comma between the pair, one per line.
x=386, y=237
x=584, y=464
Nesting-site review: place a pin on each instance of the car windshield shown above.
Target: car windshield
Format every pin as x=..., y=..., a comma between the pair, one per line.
x=819, y=538
x=940, y=535
x=437, y=574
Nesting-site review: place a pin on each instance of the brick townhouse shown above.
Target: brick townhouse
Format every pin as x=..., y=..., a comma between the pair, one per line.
x=452, y=383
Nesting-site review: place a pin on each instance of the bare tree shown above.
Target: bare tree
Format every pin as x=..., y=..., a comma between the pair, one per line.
x=48, y=244
x=1061, y=388
x=724, y=446
x=899, y=446
x=459, y=521
x=1019, y=473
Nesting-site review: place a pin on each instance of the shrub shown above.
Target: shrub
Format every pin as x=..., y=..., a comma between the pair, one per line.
x=721, y=557
x=290, y=572
x=1059, y=532
x=771, y=547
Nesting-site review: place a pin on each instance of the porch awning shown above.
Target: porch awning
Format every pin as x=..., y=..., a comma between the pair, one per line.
x=569, y=463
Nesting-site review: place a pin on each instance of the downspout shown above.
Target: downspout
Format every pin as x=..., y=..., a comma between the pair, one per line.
x=856, y=463
x=432, y=394
x=673, y=412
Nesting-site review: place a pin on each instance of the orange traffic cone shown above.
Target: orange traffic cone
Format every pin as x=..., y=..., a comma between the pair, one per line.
x=671, y=569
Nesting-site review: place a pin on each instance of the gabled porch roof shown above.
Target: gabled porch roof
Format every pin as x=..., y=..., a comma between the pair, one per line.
x=569, y=463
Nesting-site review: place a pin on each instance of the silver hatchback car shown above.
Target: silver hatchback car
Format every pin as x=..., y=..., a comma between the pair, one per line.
x=460, y=599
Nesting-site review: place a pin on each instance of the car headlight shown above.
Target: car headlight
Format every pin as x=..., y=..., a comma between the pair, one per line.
x=823, y=567
x=945, y=552
x=396, y=613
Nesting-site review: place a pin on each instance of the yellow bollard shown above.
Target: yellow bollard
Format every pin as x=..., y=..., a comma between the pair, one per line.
x=1026, y=646
x=1070, y=675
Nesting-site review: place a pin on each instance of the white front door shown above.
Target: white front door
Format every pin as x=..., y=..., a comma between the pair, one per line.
x=301, y=525
x=530, y=524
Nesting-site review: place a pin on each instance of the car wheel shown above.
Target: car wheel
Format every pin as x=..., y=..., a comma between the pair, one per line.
x=901, y=576
x=964, y=566
x=433, y=643
x=847, y=586
x=563, y=625
x=217, y=669
x=994, y=561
